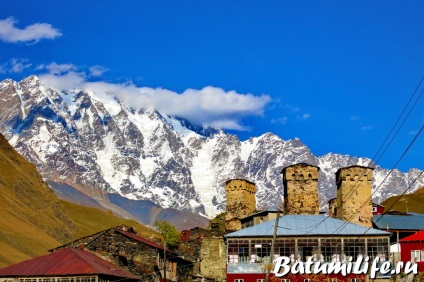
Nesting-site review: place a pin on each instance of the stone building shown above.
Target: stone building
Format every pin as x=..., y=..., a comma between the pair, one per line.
x=241, y=202
x=332, y=208
x=64, y=266
x=301, y=189
x=123, y=247
x=354, y=201
x=258, y=218
x=213, y=258
x=206, y=248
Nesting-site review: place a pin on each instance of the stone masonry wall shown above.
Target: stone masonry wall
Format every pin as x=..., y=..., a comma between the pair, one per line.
x=213, y=258
x=301, y=189
x=354, y=201
x=134, y=256
x=332, y=208
x=241, y=202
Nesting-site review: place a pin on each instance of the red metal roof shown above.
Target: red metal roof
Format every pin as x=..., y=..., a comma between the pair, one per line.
x=141, y=239
x=419, y=236
x=65, y=262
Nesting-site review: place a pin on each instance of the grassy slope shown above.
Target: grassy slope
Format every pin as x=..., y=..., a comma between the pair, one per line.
x=414, y=202
x=91, y=220
x=33, y=220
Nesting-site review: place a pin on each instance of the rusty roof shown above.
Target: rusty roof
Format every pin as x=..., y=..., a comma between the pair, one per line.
x=141, y=239
x=65, y=262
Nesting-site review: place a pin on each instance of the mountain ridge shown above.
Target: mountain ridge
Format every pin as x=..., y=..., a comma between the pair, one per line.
x=33, y=220
x=94, y=142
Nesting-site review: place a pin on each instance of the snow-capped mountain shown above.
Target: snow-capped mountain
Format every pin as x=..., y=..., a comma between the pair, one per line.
x=97, y=144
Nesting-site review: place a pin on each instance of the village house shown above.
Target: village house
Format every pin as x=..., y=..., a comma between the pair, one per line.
x=413, y=249
x=377, y=209
x=302, y=232
x=258, y=218
x=140, y=256
x=401, y=225
x=301, y=237
x=67, y=265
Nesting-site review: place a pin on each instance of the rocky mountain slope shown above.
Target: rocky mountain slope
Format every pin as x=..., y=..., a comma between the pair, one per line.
x=97, y=144
x=33, y=220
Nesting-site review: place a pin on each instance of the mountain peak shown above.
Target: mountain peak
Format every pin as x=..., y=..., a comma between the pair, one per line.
x=32, y=79
x=97, y=144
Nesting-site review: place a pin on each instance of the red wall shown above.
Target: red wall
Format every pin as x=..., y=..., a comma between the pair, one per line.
x=380, y=210
x=405, y=252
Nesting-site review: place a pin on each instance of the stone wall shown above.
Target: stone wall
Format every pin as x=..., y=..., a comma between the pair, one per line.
x=301, y=189
x=213, y=258
x=354, y=202
x=241, y=202
x=332, y=208
x=132, y=255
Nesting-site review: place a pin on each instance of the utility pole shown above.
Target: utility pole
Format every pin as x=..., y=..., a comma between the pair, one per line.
x=271, y=255
x=164, y=260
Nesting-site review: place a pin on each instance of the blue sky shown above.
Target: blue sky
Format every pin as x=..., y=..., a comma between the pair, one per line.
x=335, y=74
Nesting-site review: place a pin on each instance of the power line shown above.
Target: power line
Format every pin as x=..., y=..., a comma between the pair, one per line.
x=387, y=137
x=370, y=198
x=374, y=162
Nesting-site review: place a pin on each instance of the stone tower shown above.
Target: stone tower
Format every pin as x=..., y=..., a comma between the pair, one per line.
x=301, y=189
x=354, y=201
x=332, y=208
x=241, y=202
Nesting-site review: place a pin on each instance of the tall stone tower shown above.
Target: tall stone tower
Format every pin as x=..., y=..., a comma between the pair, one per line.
x=301, y=189
x=354, y=201
x=241, y=202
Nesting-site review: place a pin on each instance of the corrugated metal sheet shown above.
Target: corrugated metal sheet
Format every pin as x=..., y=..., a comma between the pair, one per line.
x=65, y=263
x=141, y=239
x=306, y=225
x=413, y=221
x=417, y=237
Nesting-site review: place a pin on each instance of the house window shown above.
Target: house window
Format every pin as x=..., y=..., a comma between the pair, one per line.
x=377, y=248
x=415, y=254
x=374, y=209
x=305, y=280
x=285, y=280
x=355, y=280
x=307, y=248
x=354, y=248
x=260, y=280
x=238, y=280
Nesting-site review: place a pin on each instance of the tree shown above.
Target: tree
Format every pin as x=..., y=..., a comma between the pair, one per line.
x=170, y=237
x=169, y=234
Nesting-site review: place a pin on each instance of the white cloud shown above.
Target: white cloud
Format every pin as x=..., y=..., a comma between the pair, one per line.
x=30, y=34
x=291, y=108
x=210, y=106
x=352, y=118
x=15, y=65
x=97, y=71
x=71, y=80
x=306, y=116
x=58, y=69
x=282, y=120
x=19, y=64
x=367, y=127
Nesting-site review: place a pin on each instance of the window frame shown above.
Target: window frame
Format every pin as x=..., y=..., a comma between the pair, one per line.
x=418, y=257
